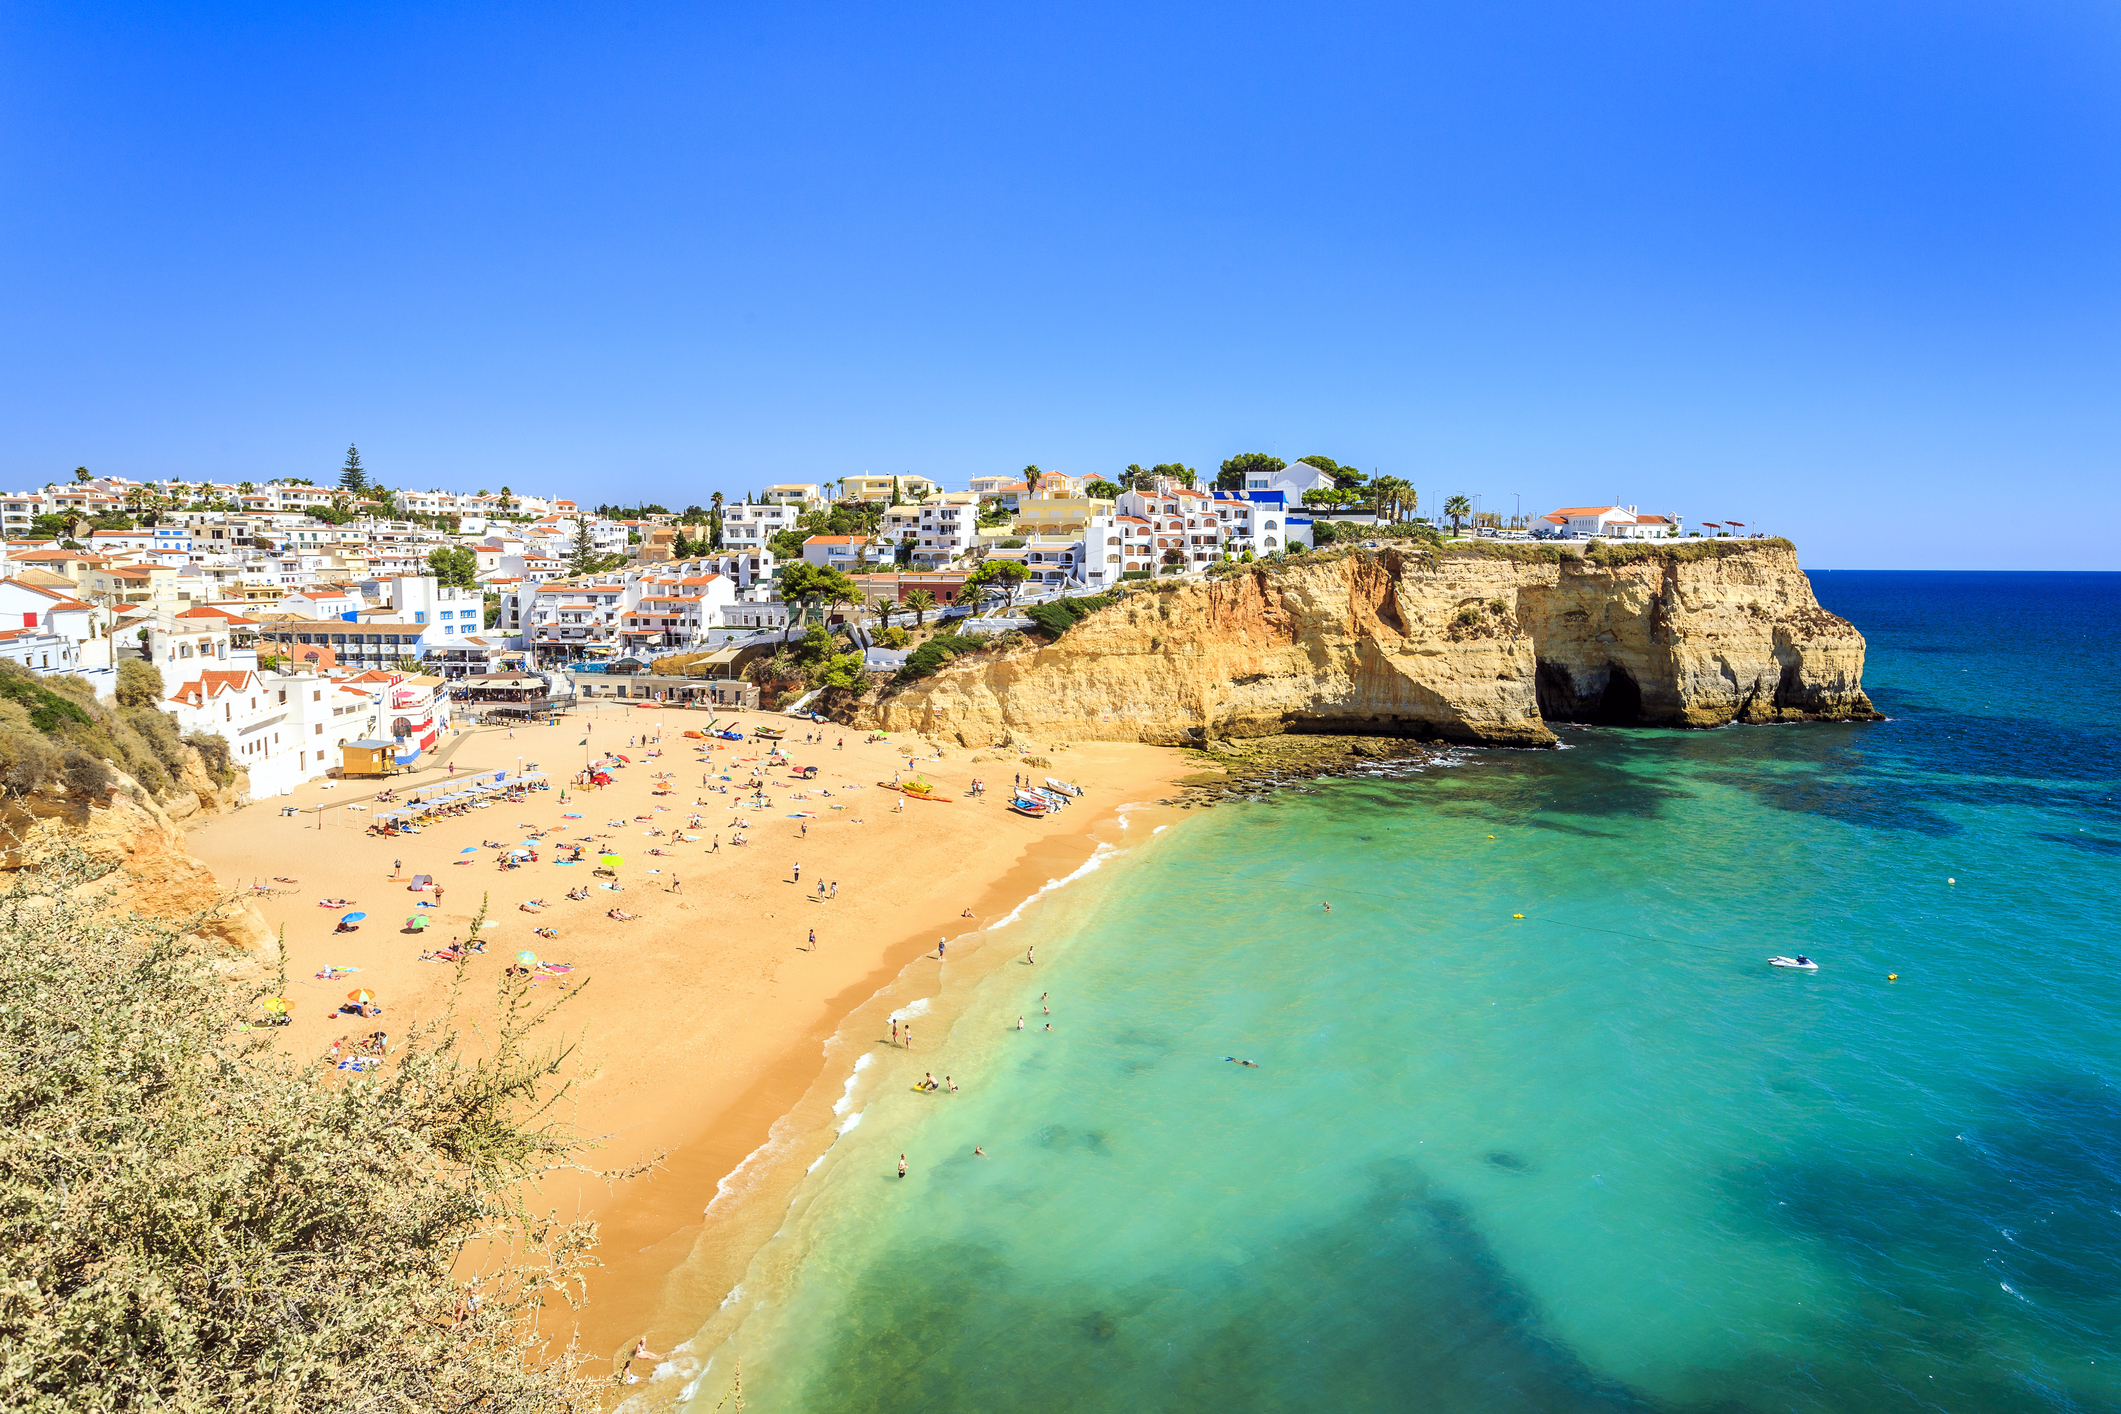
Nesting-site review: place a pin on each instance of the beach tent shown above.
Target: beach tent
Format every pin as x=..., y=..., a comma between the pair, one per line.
x=421, y=881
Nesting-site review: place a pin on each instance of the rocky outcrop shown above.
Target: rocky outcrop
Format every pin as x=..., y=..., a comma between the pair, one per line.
x=1484, y=646
x=129, y=828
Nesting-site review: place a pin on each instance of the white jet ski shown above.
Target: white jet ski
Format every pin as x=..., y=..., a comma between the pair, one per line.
x=1800, y=962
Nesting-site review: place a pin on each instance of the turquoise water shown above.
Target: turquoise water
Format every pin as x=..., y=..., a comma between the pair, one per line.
x=1601, y=1157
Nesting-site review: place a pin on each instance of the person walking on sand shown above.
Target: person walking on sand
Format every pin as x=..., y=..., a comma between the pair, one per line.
x=1019, y=1023
x=835, y=890
x=940, y=944
x=813, y=940
x=677, y=885
x=909, y=1036
x=798, y=872
x=1031, y=956
x=901, y=1165
x=395, y=866
x=894, y=1031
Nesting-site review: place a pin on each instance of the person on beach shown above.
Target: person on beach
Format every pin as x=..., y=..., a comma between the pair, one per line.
x=1019, y=1023
x=894, y=1031
x=835, y=890
x=1031, y=955
x=928, y=1080
x=813, y=940
x=909, y=1035
x=798, y=873
x=940, y=944
x=951, y=1083
x=901, y=1165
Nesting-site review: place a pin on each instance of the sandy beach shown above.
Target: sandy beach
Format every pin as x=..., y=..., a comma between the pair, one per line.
x=703, y=1020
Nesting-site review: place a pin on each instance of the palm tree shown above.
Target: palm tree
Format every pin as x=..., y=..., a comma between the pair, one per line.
x=885, y=608
x=1457, y=508
x=920, y=601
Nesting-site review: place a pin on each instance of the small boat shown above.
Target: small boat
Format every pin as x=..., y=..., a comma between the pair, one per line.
x=768, y=733
x=1064, y=787
x=1025, y=805
x=1800, y=962
x=920, y=788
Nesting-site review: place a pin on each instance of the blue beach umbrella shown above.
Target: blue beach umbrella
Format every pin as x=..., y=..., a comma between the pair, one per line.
x=469, y=849
x=353, y=918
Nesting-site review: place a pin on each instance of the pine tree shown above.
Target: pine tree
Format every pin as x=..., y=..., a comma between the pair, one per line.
x=581, y=555
x=351, y=477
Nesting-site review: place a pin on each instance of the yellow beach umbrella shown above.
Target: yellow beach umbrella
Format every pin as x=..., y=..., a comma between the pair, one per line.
x=274, y=1004
x=610, y=861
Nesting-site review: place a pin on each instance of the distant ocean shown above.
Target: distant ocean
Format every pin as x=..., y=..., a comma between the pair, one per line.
x=1600, y=1158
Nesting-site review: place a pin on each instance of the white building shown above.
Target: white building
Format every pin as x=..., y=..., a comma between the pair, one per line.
x=1615, y=522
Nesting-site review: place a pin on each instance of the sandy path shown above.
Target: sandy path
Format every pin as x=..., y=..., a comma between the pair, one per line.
x=702, y=1021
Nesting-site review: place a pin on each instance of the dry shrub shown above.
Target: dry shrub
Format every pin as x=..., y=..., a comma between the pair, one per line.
x=190, y=1220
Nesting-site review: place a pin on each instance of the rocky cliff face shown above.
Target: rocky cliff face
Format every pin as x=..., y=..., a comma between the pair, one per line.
x=1482, y=648
x=144, y=839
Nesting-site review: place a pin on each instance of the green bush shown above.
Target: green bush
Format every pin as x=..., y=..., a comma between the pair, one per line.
x=1057, y=616
x=929, y=658
x=139, y=684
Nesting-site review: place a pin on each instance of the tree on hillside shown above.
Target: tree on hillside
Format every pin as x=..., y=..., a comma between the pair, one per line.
x=352, y=479
x=1103, y=490
x=997, y=576
x=1178, y=471
x=139, y=684
x=806, y=585
x=581, y=555
x=508, y=499
x=1345, y=478
x=81, y=474
x=457, y=566
x=1457, y=508
x=1234, y=471
x=920, y=601
x=714, y=523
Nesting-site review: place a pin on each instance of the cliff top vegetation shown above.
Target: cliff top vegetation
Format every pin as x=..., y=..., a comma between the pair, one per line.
x=54, y=732
x=192, y=1220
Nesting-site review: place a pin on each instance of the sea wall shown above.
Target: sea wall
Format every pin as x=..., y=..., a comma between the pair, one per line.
x=1484, y=647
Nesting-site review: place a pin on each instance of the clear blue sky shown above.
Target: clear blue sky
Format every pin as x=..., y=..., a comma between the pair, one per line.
x=1848, y=271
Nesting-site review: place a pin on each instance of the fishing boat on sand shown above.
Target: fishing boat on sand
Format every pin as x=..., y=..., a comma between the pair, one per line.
x=920, y=788
x=1029, y=805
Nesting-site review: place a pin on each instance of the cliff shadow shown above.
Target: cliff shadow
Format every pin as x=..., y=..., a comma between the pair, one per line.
x=1607, y=695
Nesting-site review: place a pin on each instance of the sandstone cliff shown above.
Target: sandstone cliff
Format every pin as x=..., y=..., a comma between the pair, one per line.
x=129, y=828
x=1481, y=647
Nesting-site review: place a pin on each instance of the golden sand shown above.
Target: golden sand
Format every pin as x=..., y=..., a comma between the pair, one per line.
x=702, y=1021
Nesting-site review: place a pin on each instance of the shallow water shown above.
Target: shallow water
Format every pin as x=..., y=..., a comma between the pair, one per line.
x=1600, y=1157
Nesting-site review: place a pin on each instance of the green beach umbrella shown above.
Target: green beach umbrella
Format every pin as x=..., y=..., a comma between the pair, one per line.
x=527, y=958
x=610, y=861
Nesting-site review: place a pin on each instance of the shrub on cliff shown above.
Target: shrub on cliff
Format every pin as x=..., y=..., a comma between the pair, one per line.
x=929, y=658
x=54, y=731
x=190, y=1220
x=1057, y=616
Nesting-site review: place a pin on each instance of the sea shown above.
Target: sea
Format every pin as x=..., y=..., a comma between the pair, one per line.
x=1533, y=1123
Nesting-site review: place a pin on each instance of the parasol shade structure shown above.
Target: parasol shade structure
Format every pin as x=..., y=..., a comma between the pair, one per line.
x=610, y=861
x=274, y=1004
x=353, y=918
x=361, y=994
x=418, y=920
x=527, y=958
x=469, y=849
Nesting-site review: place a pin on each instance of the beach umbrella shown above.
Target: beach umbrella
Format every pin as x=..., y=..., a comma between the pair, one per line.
x=274, y=1004
x=353, y=918
x=361, y=994
x=469, y=849
x=610, y=861
x=418, y=920
x=527, y=958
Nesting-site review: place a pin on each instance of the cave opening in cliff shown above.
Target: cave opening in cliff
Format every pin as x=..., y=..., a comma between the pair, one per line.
x=1620, y=705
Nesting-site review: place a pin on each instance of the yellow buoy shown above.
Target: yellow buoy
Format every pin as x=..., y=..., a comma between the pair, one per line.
x=1491, y=837
x=1517, y=915
x=1892, y=977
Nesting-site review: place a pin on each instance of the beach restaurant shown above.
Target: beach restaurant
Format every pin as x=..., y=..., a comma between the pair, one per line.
x=509, y=694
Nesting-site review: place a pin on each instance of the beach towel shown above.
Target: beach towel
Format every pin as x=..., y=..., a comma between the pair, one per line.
x=334, y=972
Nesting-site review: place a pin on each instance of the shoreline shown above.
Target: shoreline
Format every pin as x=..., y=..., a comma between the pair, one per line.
x=703, y=1025
x=734, y=1192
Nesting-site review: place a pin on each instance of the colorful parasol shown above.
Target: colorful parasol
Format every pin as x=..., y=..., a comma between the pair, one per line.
x=361, y=994
x=527, y=958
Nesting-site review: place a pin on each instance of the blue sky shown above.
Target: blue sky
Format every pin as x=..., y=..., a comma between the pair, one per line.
x=1850, y=272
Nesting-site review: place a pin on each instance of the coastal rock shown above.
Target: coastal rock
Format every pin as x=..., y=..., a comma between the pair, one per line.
x=128, y=828
x=1482, y=647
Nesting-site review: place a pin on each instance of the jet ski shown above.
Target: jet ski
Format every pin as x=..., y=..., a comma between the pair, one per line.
x=1800, y=962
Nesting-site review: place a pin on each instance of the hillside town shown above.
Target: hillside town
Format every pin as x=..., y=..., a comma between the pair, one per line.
x=309, y=626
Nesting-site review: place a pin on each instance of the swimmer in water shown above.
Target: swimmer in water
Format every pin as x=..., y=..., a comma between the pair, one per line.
x=1253, y=1064
x=1329, y=908
x=978, y=1153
